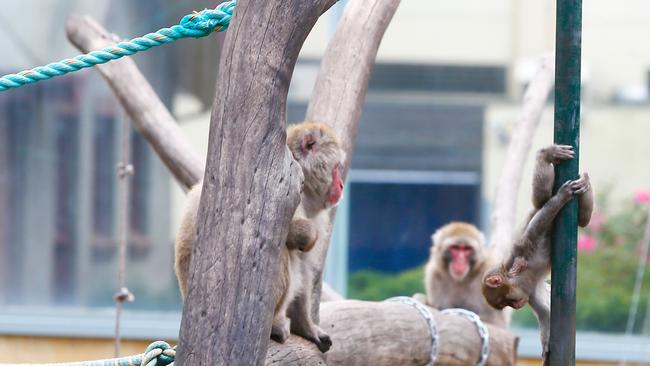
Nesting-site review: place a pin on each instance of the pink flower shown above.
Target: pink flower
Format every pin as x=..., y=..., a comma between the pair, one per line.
x=586, y=243
x=597, y=220
x=642, y=196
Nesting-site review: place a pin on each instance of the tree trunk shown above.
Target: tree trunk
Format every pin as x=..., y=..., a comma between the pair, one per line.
x=388, y=334
x=250, y=189
x=145, y=109
x=342, y=84
x=507, y=190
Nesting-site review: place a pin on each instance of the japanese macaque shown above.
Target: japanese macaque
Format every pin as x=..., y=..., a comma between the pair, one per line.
x=521, y=277
x=317, y=150
x=453, y=274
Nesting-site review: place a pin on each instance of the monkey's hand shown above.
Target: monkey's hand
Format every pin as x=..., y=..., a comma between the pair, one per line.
x=302, y=235
x=557, y=153
x=582, y=184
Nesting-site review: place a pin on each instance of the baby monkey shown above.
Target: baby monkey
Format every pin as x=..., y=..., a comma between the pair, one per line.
x=520, y=278
x=316, y=148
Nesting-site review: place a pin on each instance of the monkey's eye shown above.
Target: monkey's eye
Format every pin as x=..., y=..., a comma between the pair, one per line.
x=309, y=145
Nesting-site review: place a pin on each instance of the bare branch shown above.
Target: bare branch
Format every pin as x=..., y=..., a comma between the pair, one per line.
x=342, y=84
x=147, y=112
x=250, y=189
x=507, y=190
x=387, y=334
x=329, y=294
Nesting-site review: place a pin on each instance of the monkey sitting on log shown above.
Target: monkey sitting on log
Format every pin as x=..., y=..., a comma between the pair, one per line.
x=520, y=278
x=316, y=148
x=453, y=274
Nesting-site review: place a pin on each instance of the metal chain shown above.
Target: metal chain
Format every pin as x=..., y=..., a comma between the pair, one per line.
x=124, y=172
x=480, y=328
x=431, y=322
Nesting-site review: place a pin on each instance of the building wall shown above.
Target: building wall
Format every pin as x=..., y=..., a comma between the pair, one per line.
x=612, y=147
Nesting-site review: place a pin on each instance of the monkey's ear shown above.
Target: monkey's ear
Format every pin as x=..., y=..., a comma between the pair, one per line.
x=493, y=281
x=436, y=237
x=308, y=143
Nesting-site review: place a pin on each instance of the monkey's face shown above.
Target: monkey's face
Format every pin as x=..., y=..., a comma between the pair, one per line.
x=316, y=148
x=499, y=292
x=459, y=258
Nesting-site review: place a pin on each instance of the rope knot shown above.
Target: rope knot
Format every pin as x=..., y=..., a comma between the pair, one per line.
x=210, y=20
x=158, y=353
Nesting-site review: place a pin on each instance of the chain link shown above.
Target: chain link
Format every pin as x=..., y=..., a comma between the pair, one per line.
x=480, y=328
x=431, y=322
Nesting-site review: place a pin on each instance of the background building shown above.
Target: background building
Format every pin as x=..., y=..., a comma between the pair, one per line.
x=442, y=101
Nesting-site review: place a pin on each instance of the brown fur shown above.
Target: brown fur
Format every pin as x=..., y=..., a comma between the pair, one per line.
x=520, y=278
x=444, y=291
x=317, y=159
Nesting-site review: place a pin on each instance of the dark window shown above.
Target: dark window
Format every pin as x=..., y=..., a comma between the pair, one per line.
x=139, y=242
x=390, y=224
x=20, y=110
x=103, y=186
x=438, y=78
x=65, y=240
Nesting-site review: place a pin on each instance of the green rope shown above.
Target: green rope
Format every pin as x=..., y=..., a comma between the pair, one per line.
x=158, y=353
x=194, y=25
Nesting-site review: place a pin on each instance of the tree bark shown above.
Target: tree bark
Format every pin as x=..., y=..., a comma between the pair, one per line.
x=399, y=335
x=250, y=189
x=341, y=87
x=507, y=189
x=145, y=109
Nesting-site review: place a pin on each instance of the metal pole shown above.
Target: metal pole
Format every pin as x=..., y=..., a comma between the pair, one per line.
x=567, y=131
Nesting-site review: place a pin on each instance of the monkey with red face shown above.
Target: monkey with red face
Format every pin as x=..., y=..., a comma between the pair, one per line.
x=454, y=271
x=316, y=147
x=520, y=278
x=317, y=150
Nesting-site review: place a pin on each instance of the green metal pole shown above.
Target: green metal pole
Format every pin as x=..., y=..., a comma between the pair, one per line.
x=567, y=132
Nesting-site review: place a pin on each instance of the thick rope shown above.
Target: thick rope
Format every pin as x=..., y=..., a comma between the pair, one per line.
x=196, y=25
x=158, y=353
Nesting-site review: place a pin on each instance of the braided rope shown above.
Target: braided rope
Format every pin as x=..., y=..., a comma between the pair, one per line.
x=428, y=317
x=158, y=353
x=480, y=328
x=196, y=25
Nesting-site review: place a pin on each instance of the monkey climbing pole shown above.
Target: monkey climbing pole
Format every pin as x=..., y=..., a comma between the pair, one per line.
x=567, y=132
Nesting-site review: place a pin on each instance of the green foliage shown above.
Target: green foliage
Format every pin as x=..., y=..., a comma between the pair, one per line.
x=377, y=286
x=609, y=252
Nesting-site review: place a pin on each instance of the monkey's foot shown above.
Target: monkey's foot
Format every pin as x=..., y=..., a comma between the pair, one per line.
x=324, y=342
x=545, y=361
x=321, y=339
x=557, y=153
x=280, y=333
x=581, y=185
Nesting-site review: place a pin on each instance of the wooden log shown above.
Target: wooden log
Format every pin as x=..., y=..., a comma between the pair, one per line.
x=507, y=189
x=251, y=187
x=389, y=333
x=341, y=86
x=143, y=106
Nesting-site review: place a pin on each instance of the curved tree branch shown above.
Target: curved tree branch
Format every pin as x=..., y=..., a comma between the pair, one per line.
x=388, y=334
x=507, y=190
x=250, y=189
x=342, y=84
x=145, y=109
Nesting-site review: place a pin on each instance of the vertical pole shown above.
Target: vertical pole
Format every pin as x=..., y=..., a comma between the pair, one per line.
x=567, y=132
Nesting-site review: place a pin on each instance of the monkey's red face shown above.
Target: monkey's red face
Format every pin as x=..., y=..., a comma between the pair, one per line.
x=460, y=258
x=336, y=189
x=316, y=148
